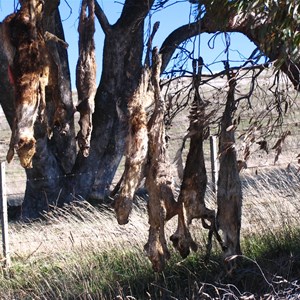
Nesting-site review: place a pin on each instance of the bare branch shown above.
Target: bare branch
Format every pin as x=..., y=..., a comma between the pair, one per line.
x=106, y=27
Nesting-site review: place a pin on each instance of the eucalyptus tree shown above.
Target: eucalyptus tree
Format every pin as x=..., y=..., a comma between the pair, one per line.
x=60, y=174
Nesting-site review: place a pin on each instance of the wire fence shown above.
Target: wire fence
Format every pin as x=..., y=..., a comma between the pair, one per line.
x=16, y=180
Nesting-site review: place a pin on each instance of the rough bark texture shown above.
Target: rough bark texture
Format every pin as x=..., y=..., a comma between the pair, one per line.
x=121, y=72
x=54, y=156
x=159, y=179
x=86, y=75
x=229, y=195
x=136, y=150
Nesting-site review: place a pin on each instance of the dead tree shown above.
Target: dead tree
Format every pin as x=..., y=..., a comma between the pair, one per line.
x=159, y=178
x=229, y=196
x=86, y=74
x=193, y=186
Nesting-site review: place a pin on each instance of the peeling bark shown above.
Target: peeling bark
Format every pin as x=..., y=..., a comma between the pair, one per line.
x=159, y=178
x=229, y=195
x=86, y=75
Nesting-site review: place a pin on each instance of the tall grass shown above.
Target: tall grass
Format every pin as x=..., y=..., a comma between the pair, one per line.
x=80, y=252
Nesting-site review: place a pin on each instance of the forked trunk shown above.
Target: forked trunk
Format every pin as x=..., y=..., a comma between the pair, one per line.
x=121, y=72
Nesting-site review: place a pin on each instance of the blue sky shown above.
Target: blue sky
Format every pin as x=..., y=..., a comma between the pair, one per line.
x=170, y=18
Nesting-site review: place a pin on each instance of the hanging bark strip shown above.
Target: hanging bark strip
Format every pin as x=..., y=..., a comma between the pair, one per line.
x=86, y=74
x=193, y=187
x=136, y=150
x=229, y=196
x=159, y=178
x=31, y=69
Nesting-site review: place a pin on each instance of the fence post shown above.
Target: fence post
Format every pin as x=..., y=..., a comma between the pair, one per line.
x=4, y=218
x=214, y=162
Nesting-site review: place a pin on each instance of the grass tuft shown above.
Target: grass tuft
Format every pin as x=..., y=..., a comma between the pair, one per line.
x=80, y=252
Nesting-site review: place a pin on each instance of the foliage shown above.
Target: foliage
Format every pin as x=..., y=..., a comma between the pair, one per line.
x=282, y=20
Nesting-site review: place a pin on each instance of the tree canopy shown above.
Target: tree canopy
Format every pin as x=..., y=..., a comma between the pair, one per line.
x=115, y=119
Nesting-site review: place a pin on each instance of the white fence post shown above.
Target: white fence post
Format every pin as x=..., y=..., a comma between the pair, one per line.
x=4, y=218
x=214, y=162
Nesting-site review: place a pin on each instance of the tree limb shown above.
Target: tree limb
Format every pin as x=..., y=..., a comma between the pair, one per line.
x=134, y=11
x=246, y=24
x=106, y=27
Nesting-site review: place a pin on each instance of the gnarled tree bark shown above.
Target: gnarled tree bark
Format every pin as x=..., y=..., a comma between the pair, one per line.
x=121, y=72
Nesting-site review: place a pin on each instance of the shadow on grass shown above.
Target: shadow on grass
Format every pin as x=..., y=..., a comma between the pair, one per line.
x=269, y=268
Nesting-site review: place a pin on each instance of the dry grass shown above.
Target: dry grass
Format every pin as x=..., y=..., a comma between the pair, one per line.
x=80, y=252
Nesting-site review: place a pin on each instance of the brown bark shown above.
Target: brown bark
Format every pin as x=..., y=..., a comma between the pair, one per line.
x=86, y=75
x=159, y=179
x=229, y=195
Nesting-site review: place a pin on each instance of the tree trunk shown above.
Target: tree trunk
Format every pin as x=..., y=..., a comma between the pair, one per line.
x=54, y=156
x=122, y=66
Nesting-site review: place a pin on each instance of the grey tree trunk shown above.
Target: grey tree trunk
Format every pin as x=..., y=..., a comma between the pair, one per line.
x=121, y=72
x=54, y=155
